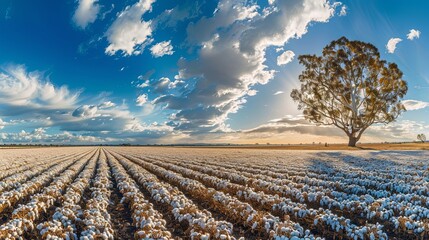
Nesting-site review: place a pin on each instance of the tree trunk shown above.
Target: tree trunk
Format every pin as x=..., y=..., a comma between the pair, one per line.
x=352, y=141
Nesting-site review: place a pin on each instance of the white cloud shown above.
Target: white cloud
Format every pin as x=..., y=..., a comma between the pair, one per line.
x=143, y=84
x=129, y=33
x=391, y=44
x=86, y=13
x=413, y=34
x=162, y=85
x=96, y=120
x=289, y=20
x=107, y=104
x=162, y=48
x=29, y=90
x=278, y=93
x=343, y=11
x=2, y=124
x=411, y=105
x=141, y=100
x=285, y=58
x=86, y=111
x=39, y=135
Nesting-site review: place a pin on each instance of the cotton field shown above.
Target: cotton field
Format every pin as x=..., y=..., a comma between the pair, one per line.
x=212, y=193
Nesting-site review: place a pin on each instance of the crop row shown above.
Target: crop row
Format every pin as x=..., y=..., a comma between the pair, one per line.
x=24, y=216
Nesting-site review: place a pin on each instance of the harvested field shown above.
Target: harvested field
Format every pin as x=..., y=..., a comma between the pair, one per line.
x=212, y=193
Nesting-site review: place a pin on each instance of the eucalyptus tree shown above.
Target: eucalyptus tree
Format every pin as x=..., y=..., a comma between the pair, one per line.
x=421, y=137
x=350, y=87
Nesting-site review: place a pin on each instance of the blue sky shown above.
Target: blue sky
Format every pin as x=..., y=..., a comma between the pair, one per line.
x=160, y=71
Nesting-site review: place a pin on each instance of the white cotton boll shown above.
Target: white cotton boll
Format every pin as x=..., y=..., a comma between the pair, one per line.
x=307, y=232
x=267, y=226
x=409, y=225
x=294, y=233
x=255, y=225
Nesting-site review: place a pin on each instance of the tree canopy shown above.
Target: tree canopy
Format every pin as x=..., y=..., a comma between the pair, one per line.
x=350, y=87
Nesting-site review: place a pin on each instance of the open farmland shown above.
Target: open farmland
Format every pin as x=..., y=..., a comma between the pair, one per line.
x=194, y=193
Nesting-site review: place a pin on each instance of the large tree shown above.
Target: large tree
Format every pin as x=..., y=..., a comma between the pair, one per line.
x=350, y=87
x=421, y=137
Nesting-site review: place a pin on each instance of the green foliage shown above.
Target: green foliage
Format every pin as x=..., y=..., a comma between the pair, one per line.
x=350, y=87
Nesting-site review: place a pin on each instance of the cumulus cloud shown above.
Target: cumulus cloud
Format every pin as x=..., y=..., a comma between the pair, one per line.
x=86, y=13
x=288, y=20
x=162, y=48
x=2, y=124
x=107, y=104
x=285, y=58
x=413, y=34
x=107, y=122
x=391, y=44
x=39, y=135
x=143, y=84
x=141, y=100
x=163, y=85
x=129, y=33
x=231, y=60
x=147, y=107
x=411, y=105
x=85, y=111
